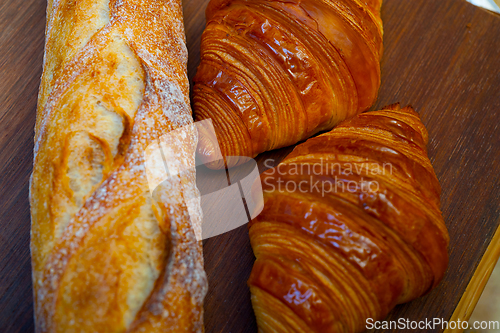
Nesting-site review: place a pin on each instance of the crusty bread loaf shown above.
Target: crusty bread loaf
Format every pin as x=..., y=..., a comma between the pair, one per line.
x=106, y=255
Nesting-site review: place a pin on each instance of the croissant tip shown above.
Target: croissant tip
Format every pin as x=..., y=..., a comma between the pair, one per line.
x=410, y=109
x=395, y=107
x=409, y=106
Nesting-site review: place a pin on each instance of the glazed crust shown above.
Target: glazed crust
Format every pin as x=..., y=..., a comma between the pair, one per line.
x=108, y=256
x=273, y=73
x=351, y=227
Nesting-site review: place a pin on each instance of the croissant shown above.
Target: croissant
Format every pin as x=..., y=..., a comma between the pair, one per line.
x=351, y=226
x=273, y=73
x=107, y=256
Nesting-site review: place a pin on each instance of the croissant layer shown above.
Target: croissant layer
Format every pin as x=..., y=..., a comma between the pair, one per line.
x=351, y=226
x=273, y=73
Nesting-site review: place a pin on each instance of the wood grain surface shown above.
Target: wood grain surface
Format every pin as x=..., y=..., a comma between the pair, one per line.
x=441, y=56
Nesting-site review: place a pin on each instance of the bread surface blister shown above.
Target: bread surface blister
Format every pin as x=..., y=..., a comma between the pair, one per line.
x=107, y=255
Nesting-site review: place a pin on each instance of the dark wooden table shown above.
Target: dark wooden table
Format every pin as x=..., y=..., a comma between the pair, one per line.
x=441, y=56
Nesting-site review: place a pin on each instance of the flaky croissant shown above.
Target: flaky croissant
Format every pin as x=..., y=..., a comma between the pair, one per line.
x=351, y=227
x=273, y=73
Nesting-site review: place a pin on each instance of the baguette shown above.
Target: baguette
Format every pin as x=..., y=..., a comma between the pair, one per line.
x=107, y=256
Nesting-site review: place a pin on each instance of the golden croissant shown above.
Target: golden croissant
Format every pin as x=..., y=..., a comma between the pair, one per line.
x=273, y=73
x=351, y=226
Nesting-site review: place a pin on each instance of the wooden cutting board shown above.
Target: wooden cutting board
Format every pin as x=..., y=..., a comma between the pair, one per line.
x=441, y=56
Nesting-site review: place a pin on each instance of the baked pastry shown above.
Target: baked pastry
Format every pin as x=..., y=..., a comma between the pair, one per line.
x=108, y=256
x=273, y=73
x=351, y=226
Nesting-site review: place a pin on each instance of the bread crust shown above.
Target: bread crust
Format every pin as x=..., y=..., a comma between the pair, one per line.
x=108, y=256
